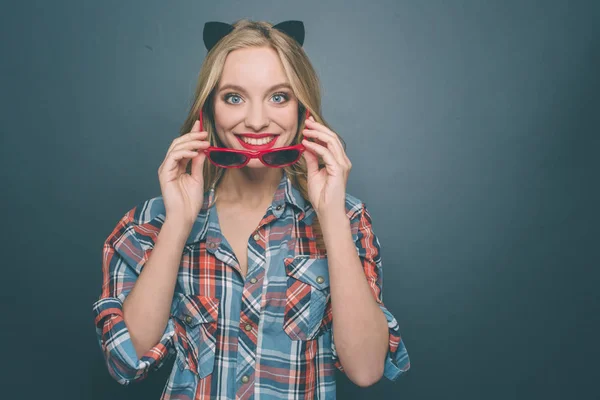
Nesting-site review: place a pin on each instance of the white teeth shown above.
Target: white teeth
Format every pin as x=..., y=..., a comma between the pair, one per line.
x=257, y=142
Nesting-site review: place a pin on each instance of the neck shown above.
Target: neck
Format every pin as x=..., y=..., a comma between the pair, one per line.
x=251, y=187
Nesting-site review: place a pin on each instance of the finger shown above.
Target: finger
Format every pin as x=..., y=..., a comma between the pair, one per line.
x=312, y=124
x=196, y=127
x=174, y=159
x=196, y=147
x=312, y=163
x=191, y=145
x=198, y=166
x=325, y=153
x=186, y=138
x=330, y=142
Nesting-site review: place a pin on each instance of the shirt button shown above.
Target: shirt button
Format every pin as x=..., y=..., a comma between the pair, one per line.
x=278, y=208
x=248, y=327
x=320, y=279
x=253, y=280
x=245, y=379
x=212, y=245
x=188, y=319
x=256, y=237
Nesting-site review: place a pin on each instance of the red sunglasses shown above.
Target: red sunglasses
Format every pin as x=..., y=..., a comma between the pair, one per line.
x=232, y=158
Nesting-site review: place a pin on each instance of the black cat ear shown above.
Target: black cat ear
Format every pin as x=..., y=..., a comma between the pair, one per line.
x=215, y=31
x=295, y=29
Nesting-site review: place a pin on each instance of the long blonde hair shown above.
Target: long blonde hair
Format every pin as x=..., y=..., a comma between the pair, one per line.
x=300, y=73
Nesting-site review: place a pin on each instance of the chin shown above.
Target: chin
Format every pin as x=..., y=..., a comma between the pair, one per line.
x=256, y=164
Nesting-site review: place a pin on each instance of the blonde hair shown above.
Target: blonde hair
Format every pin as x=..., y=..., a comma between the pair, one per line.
x=302, y=78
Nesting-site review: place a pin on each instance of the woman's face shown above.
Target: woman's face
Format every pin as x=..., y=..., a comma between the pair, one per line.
x=255, y=108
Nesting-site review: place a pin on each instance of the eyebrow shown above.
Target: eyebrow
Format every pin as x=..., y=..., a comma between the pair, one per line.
x=241, y=89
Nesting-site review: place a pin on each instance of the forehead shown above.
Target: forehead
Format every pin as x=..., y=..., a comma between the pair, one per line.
x=253, y=67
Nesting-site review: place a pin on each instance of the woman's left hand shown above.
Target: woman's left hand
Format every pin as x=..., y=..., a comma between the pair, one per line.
x=327, y=186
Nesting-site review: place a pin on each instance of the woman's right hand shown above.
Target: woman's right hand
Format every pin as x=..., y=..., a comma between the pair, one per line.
x=183, y=193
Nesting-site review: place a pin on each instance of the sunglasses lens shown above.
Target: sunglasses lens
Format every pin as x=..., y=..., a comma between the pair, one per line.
x=227, y=158
x=281, y=157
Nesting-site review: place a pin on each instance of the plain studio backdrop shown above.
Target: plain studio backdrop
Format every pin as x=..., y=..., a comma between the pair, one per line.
x=473, y=131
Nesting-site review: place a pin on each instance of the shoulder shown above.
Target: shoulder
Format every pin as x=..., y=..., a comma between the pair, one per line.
x=354, y=206
x=147, y=211
x=135, y=234
x=359, y=215
x=356, y=213
x=142, y=221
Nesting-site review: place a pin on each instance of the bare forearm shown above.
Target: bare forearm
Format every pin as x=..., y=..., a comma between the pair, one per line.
x=146, y=309
x=360, y=327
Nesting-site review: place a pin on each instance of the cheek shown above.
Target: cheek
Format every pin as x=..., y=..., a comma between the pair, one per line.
x=223, y=119
x=290, y=122
x=226, y=121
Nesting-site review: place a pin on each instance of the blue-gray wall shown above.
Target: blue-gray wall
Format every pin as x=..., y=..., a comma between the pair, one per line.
x=472, y=127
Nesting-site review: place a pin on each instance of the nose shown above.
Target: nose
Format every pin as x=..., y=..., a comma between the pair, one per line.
x=256, y=118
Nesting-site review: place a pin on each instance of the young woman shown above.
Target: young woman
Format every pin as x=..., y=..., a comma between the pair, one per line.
x=255, y=268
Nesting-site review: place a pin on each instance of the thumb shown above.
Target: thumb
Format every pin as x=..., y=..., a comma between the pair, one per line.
x=198, y=166
x=196, y=127
x=312, y=163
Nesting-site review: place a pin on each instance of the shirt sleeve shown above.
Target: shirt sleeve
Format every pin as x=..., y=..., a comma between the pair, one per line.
x=124, y=255
x=368, y=247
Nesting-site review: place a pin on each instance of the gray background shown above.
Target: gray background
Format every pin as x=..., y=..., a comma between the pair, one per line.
x=472, y=127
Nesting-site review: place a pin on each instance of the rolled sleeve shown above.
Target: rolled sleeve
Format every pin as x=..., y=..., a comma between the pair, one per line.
x=123, y=258
x=369, y=250
x=396, y=361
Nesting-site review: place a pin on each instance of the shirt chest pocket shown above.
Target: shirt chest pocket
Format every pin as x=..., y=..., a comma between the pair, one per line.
x=195, y=320
x=307, y=295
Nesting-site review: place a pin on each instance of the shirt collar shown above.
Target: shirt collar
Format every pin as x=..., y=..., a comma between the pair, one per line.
x=286, y=193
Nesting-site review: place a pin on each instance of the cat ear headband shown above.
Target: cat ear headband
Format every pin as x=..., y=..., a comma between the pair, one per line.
x=215, y=31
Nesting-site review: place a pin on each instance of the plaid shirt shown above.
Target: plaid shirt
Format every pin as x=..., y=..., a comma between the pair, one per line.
x=268, y=335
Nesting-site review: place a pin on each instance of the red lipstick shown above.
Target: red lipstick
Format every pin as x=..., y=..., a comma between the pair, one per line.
x=256, y=135
x=249, y=146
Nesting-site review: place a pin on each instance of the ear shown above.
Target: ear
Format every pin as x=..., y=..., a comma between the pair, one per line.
x=215, y=31
x=295, y=29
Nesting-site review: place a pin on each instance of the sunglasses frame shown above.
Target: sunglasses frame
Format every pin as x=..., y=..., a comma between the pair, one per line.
x=250, y=154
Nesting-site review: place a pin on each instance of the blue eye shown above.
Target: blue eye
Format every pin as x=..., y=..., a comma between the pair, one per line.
x=230, y=96
x=282, y=96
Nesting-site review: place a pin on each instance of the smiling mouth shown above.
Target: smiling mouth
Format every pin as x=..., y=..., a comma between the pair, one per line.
x=257, y=143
